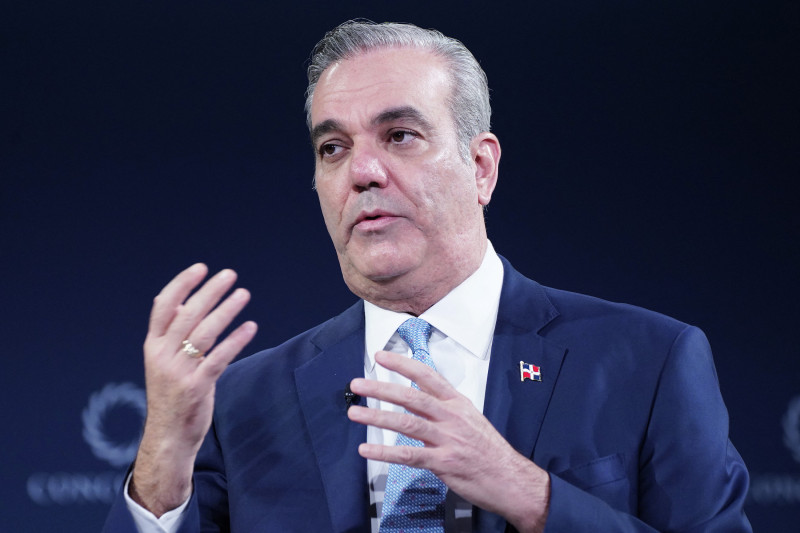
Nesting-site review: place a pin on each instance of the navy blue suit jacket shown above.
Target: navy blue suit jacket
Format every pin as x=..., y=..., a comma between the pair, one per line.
x=628, y=419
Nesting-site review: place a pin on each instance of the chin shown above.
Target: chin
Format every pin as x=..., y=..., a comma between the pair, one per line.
x=375, y=268
x=382, y=271
x=384, y=260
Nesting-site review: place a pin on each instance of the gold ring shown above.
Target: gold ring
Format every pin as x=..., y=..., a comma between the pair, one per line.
x=190, y=350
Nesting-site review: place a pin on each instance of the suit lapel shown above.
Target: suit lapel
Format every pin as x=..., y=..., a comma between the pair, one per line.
x=517, y=408
x=320, y=386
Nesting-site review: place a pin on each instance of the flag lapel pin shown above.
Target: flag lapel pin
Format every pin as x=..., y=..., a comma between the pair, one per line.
x=529, y=371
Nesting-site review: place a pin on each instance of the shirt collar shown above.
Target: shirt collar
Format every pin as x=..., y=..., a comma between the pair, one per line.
x=467, y=314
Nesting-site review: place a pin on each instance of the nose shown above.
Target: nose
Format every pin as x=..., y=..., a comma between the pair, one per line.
x=367, y=168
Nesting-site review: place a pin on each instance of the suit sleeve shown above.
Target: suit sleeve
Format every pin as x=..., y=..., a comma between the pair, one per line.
x=690, y=477
x=208, y=508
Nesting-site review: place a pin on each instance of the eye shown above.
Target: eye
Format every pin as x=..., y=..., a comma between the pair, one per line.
x=402, y=136
x=329, y=150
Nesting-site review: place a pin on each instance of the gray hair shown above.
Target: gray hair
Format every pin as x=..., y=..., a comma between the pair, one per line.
x=469, y=98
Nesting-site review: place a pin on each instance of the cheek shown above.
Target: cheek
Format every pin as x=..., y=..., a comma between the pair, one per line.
x=449, y=189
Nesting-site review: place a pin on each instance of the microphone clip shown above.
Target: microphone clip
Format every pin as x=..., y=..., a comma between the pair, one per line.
x=350, y=397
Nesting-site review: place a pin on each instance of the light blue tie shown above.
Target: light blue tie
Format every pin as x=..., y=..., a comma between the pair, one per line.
x=414, y=498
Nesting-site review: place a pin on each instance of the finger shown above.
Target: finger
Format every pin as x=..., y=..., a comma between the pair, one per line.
x=205, y=334
x=198, y=305
x=426, y=378
x=166, y=303
x=414, y=400
x=409, y=425
x=215, y=362
x=405, y=455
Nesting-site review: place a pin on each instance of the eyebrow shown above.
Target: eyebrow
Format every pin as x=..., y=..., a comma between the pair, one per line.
x=406, y=112
x=389, y=115
x=326, y=126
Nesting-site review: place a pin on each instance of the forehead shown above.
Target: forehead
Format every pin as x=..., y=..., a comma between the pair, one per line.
x=357, y=89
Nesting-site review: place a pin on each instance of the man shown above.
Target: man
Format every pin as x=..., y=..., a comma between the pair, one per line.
x=546, y=411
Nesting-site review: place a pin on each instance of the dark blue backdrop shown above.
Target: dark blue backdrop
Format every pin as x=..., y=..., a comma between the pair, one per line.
x=650, y=154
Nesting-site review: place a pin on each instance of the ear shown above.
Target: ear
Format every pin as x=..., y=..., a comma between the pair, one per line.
x=485, y=151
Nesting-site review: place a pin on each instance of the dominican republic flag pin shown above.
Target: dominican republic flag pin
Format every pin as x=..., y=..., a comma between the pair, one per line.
x=529, y=371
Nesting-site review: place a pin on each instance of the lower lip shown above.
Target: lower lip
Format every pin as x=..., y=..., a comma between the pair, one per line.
x=374, y=224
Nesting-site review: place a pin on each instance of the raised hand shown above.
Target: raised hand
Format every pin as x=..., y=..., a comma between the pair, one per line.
x=461, y=446
x=180, y=380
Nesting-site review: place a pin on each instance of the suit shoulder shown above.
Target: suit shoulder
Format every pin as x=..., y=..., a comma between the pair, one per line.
x=628, y=334
x=574, y=307
x=638, y=344
x=528, y=304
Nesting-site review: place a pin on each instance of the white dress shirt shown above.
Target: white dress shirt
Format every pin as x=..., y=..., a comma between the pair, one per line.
x=460, y=344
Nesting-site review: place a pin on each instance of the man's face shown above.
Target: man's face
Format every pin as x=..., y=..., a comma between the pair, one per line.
x=400, y=203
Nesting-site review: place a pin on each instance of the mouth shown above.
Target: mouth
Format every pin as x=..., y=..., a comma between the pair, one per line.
x=372, y=220
x=370, y=215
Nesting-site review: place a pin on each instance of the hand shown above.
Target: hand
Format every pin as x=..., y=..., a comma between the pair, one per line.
x=461, y=446
x=180, y=387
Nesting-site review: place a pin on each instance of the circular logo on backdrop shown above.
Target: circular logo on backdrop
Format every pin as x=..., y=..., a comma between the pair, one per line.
x=102, y=415
x=791, y=428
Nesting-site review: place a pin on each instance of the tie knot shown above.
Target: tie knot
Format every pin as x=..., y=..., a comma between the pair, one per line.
x=415, y=332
